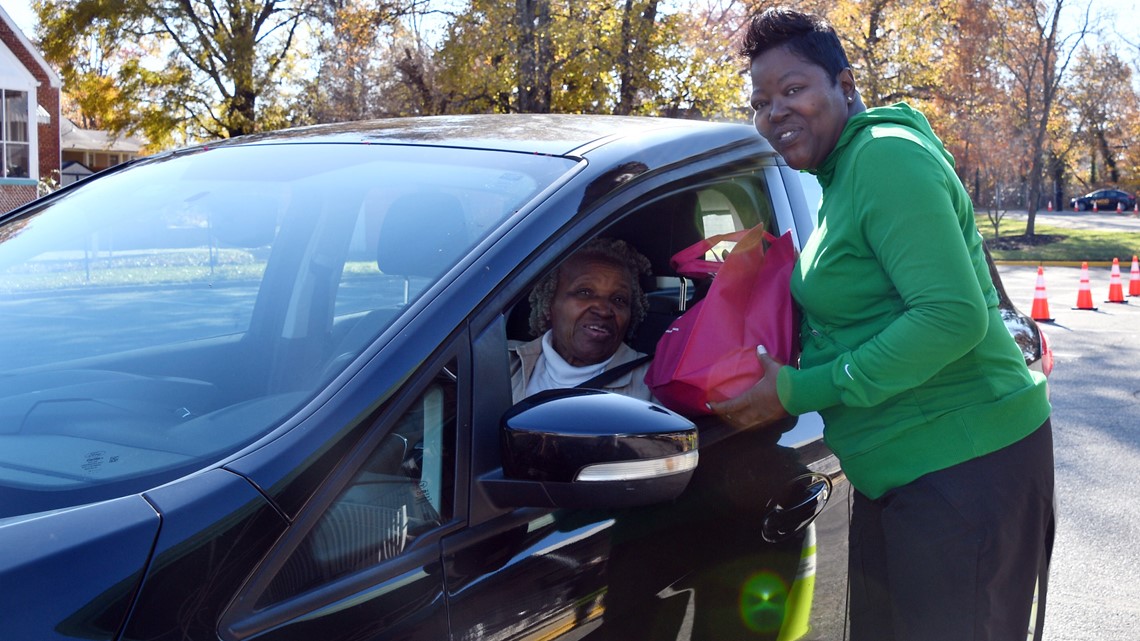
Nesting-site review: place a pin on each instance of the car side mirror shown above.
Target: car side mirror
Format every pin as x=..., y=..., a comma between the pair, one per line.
x=582, y=448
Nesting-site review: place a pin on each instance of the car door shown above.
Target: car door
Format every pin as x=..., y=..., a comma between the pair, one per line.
x=362, y=560
x=747, y=551
x=372, y=475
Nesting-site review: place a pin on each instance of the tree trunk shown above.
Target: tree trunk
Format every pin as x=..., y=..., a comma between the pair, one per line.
x=240, y=50
x=1113, y=171
x=1049, y=86
x=243, y=112
x=636, y=42
x=411, y=69
x=534, y=52
x=525, y=54
x=545, y=61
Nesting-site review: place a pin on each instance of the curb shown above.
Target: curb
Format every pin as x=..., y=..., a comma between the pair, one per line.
x=1053, y=263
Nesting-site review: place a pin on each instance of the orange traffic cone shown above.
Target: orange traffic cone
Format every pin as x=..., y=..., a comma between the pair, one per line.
x=1119, y=207
x=1075, y=207
x=1115, y=289
x=1040, y=301
x=1134, y=278
x=1050, y=205
x=1084, y=295
x=1095, y=208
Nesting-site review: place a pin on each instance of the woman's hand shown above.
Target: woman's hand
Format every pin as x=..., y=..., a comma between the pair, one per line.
x=759, y=405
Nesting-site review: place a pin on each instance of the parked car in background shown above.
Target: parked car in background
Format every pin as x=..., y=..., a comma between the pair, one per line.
x=259, y=389
x=1104, y=200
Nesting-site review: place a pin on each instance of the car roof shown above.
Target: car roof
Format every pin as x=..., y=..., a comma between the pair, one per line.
x=548, y=134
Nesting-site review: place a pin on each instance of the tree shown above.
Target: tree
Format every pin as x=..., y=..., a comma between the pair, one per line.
x=370, y=64
x=593, y=56
x=1036, y=56
x=536, y=56
x=99, y=78
x=635, y=52
x=969, y=107
x=897, y=47
x=698, y=71
x=1102, y=101
x=476, y=74
x=221, y=57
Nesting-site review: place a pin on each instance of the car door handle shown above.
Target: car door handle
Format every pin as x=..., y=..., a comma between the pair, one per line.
x=801, y=501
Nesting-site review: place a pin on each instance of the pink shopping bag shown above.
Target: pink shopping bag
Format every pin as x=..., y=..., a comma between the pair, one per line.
x=709, y=352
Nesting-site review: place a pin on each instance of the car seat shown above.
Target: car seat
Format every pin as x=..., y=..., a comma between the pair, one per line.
x=422, y=235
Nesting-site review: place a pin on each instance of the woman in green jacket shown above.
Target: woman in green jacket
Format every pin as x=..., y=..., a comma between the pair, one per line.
x=939, y=425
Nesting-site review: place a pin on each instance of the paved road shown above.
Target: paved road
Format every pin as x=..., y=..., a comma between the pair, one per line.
x=1095, y=582
x=1110, y=221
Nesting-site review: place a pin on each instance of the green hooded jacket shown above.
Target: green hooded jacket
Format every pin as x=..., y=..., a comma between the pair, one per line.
x=904, y=352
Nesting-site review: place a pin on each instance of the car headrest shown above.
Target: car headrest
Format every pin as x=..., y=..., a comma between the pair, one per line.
x=674, y=224
x=423, y=233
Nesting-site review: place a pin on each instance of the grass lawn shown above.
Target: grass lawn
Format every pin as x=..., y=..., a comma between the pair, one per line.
x=1055, y=244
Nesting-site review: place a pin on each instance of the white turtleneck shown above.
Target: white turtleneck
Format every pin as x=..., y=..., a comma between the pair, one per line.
x=553, y=372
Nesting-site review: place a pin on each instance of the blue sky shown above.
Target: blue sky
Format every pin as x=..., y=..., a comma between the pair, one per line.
x=21, y=12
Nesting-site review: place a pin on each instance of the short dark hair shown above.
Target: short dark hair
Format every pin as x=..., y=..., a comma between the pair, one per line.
x=808, y=36
x=610, y=250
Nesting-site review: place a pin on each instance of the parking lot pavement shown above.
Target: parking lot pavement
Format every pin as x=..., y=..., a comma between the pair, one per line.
x=1108, y=221
x=1094, y=588
x=1062, y=284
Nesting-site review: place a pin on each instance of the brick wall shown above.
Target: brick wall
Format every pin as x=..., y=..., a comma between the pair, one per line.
x=49, y=134
x=48, y=97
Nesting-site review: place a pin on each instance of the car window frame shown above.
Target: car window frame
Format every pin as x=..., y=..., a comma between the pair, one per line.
x=781, y=186
x=489, y=327
x=244, y=619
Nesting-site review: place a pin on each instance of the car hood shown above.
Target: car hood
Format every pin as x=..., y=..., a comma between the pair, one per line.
x=101, y=548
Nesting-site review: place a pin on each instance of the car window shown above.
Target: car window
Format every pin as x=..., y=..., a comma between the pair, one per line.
x=711, y=209
x=663, y=225
x=159, y=318
x=402, y=492
x=732, y=206
x=151, y=271
x=398, y=239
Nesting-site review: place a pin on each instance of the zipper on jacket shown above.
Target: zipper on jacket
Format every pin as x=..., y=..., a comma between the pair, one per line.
x=815, y=333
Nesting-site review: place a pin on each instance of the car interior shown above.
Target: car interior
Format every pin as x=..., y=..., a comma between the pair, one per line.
x=661, y=228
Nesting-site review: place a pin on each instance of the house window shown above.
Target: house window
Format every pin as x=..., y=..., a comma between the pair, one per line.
x=16, y=156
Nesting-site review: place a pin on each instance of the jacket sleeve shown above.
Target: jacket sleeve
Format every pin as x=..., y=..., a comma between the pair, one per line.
x=904, y=209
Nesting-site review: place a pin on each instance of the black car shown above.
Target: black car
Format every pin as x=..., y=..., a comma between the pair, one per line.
x=1104, y=200
x=259, y=389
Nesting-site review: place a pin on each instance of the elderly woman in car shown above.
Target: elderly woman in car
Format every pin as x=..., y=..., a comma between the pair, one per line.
x=582, y=312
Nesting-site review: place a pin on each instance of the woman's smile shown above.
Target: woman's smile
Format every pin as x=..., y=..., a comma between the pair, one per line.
x=591, y=310
x=800, y=109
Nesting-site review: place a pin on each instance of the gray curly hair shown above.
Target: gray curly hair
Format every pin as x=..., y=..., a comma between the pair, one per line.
x=610, y=250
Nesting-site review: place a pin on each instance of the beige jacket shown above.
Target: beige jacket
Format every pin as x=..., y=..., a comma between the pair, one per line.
x=525, y=354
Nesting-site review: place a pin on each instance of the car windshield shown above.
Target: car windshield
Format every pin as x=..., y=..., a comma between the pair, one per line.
x=160, y=318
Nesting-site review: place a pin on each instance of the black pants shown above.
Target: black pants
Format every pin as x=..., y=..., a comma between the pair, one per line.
x=954, y=555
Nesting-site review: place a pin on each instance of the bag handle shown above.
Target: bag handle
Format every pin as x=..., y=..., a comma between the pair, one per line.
x=691, y=261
